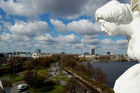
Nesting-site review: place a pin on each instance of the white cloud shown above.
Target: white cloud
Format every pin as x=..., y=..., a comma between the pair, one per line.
x=71, y=39
x=45, y=39
x=22, y=32
x=84, y=27
x=107, y=41
x=49, y=40
x=59, y=25
x=87, y=37
x=29, y=28
x=14, y=42
x=91, y=40
x=122, y=42
x=61, y=43
x=14, y=37
x=5, y=37
x=23, y=8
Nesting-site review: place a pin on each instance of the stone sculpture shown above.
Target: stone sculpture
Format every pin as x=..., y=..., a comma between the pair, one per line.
x=116, y=18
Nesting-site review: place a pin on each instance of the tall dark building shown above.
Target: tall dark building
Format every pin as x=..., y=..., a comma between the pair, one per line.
x=108, y=53
x=93, y=51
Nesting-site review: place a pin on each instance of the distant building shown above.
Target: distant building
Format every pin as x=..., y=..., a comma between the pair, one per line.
x=105, y=58
x=93, y=51
x=47, y=55
x=37, y=54
x=25, y=55
x=20, y=54
x=38, y=51
x=86, y=53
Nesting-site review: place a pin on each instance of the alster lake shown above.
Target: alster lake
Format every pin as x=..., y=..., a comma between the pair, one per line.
x=113, y=70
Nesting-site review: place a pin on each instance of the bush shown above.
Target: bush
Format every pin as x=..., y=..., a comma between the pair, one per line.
x=68, y=60
x=101, y=77
x=36, y=79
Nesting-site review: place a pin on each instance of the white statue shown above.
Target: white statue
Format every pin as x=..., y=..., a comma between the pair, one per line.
x=116, y=18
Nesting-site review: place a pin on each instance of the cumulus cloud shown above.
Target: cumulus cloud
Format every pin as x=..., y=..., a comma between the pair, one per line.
x=22, y=33
x=91, y=40
x=71, y=39
x=87, y=29
x=107, y=41
x=21, y=7
x=63, y=43
x=14, y=42
x=14, y=37
x=84, y=27
x=58, y=8
x=49, y=40
x=122, y=42
x=59, y=25
x=29, y=28
x=5, y=37
x=45, y=39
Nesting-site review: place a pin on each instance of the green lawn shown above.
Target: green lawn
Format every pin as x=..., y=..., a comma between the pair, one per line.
x=58, y=89
x=53, y=88
x=16, y=79
x=63, y=78
x=38, y=69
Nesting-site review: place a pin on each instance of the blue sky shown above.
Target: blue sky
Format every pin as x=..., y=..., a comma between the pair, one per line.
x=55, y=26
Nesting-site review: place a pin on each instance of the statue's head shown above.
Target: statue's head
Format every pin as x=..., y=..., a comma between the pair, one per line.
x=111, y=15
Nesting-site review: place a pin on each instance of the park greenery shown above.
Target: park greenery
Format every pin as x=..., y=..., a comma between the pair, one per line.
x=35, y=72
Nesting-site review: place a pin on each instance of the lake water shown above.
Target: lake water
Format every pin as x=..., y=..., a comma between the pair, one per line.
x=113, y=70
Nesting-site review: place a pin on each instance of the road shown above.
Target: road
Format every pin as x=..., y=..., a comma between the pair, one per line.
x=14, y=88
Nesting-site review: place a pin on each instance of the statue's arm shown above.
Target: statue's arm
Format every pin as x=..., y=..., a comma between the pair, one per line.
x=136, y=51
